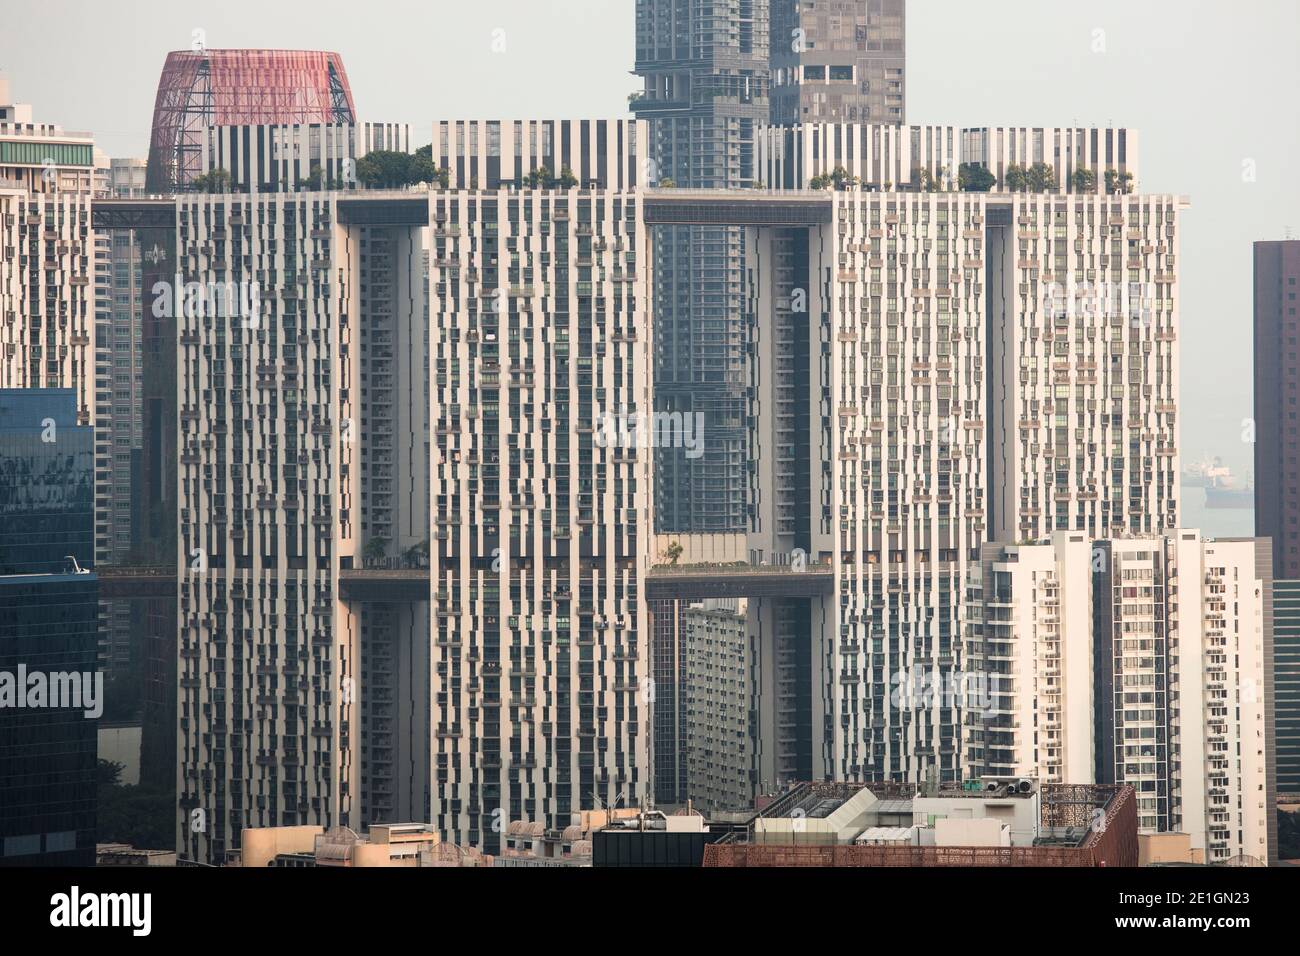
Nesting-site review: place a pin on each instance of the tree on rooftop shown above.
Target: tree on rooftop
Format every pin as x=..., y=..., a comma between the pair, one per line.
x=387, y=169
x=214, y=181
x=1117, y=182
x=375, y=549
x=1084, y=180
x=1041, y=178
x=975, y=178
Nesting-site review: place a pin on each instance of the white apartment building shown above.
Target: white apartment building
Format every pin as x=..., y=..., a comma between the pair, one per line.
x=885, y=157
x=304, y=450
x=47, y=256
x=266, y=393
x=1141, y=660
x=971, y=367
x=1083, y=333
x=903, y=503
x=1027, y=644
x=900, y=370
x=540, y=485
x=291, y=157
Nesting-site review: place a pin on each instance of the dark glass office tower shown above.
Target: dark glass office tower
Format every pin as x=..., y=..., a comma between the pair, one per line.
x=49, y=695
x=47, y=482
x=48, y=636
x=1286, y=684
x=1277, y=387
x=1277, y=477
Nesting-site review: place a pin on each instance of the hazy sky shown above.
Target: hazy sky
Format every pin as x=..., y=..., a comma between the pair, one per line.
x=1210, y=84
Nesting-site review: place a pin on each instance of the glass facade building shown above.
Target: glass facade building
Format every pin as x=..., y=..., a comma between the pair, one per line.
x=49, y=690
x=1286, y=676
x=47, y=482
x=48, y=751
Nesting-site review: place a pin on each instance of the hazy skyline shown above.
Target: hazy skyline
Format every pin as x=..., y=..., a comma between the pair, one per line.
x=1206, y=84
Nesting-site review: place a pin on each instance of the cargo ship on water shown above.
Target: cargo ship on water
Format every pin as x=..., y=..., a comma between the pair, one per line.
x=1222, y=490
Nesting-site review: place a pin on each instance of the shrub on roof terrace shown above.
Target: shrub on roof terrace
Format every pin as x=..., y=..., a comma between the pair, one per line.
x=387, y=169
x=215, y=181
x=974, y=178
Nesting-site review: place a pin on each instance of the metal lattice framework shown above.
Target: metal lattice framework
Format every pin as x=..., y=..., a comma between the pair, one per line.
x=1075, y=804
x=202, y=88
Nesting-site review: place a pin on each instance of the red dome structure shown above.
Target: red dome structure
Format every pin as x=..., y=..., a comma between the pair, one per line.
x=202, y=88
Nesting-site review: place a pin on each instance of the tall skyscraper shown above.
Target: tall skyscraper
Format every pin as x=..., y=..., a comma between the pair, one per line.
x=119, y=371
x=202, y=96
x=265, y=511
x=540, y=474
x=1277, y=476
x=706, y=74
x=1002, y=364
x=119, y=382
x=303, y=437
x=838, y=61
x=1277, y=386
x=306, y=456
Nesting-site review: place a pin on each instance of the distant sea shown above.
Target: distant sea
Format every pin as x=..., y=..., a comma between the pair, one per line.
x=1215, y=522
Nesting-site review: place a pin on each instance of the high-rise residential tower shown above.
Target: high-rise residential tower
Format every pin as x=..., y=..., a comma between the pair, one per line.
x=47, y=256
x=540, y=474
x=1143, y=660
x=838, y=61
x=719, y=734
x=199, y=90
x=304, y=448
x=1277, y=387
x=119, y=382
x=1001, y=365
x=706, y=72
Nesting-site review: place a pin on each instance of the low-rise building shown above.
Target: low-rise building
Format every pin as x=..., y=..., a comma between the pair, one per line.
x=992, y=822
x=390, y=844
x=123, y=854
x=532, y=844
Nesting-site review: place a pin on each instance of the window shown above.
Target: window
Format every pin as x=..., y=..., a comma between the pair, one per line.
x=35, y=154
